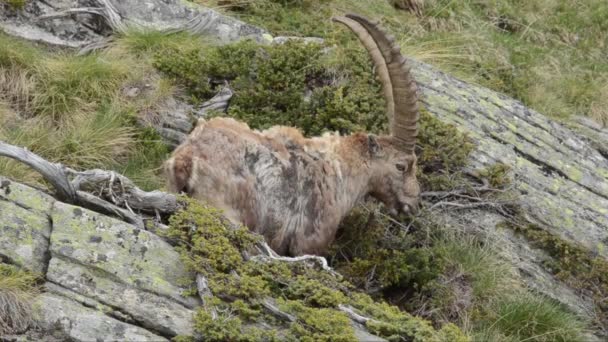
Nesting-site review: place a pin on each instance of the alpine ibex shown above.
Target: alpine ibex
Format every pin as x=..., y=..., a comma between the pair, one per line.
x=295, y=190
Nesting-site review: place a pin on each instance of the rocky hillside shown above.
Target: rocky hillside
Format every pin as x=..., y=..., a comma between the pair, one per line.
x=104, y=278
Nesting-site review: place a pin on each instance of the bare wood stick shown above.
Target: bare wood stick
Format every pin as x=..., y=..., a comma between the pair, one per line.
x=97, y=204
x=105, y=10
x=353, y=315
x=70, y=11
x=57, y=175
x=268, y=305
x=474, y=205
x=204, y=292
x=269, y=253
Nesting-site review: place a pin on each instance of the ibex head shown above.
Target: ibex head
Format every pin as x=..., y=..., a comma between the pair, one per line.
x=393, y=158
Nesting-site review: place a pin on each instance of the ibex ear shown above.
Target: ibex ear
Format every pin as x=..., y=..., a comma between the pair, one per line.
x=375, y=150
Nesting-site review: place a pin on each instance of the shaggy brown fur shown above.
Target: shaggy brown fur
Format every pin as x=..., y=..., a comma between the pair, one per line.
x=293, y=190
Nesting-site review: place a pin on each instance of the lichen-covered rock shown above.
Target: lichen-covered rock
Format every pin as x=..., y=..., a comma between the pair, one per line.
x=560, y=177
x=24, y=233
x=116, y=249
x=149, y=310
x=80, y=323
x=25, y=196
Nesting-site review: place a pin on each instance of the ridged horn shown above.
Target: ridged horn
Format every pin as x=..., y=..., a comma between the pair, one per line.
x=379, y=62
x=402, y=103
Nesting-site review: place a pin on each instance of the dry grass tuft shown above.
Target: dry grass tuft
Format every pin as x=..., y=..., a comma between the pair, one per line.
x=599, y=108
x=17, y=290
x=16, y=88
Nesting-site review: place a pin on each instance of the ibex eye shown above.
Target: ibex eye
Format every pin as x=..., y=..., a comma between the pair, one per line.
x=400, y=167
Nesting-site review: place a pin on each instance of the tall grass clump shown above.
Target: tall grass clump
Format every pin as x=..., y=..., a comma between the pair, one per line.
x=18, y=289
x=15, y=52
x=145, y=43
x=66, y=83
x=530, y=317
x=74, y=109
x=282, y=17
x=87, y=140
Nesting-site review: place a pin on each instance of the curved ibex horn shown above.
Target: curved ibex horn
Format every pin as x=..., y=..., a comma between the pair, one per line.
x=399, y=87
x=379, y=62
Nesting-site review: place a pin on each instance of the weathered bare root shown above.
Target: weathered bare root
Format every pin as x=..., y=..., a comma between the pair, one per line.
x=102, y=191
x=354, y=316
x=53, y=173
x=268, y=254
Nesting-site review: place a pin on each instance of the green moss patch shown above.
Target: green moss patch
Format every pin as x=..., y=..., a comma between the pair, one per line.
x=497, y=175
x=214, y=249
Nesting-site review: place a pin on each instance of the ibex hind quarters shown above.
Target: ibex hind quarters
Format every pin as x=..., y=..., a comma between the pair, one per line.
x=293, y=190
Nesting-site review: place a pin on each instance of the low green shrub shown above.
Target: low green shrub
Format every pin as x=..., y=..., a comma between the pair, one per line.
x=271, y=82
x=18, y=53
x=211, y=247
x=15, y=4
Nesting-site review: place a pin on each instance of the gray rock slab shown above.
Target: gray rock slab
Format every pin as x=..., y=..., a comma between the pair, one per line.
x=147, y=309
x=25, y=196
x=80, y=323
x=24, y=237
x=80, y=30
x=562, y=177
x=132, y=256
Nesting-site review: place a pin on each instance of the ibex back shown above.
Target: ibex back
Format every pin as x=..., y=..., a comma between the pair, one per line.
x=293, y=190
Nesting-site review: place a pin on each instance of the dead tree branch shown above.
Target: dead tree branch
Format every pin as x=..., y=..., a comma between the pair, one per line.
x=101, y=191
x=121, y=191
x=53, y=173
x=350, y=312
x=270, y=307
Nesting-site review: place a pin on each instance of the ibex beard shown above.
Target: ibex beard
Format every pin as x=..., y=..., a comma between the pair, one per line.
x=293, y=190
